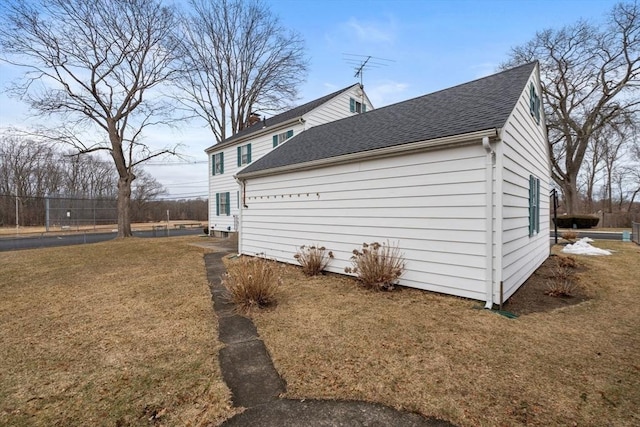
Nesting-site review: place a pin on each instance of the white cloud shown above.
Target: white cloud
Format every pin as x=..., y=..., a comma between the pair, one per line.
x=378, y=32
x=386, y=92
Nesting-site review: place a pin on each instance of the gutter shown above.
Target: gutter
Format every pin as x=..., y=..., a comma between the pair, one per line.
x=490, y=159
x=454, y=140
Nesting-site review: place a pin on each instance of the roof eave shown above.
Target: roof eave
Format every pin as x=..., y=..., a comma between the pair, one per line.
x=253, y=135
x=454, y=140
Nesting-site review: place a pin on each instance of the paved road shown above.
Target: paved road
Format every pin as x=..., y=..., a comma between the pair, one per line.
x=602, y=235
x=45, y=241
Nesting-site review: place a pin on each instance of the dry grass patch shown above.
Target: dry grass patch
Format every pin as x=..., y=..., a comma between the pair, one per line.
x=116, y=333
x=441, y=357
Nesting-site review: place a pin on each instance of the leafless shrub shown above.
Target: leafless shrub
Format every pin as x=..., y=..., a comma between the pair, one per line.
x=377, y=266
x=571, y=236
x=252, y=282
x=567, y=262
x=563, y=283
x=313, y=259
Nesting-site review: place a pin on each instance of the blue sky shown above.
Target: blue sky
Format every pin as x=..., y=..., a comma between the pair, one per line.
x=430, y=45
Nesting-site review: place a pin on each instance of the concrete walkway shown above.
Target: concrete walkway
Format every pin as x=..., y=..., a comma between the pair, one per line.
x=255, y=384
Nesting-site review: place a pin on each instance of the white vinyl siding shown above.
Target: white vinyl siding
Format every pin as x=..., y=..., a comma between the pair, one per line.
x=523, y=154
x=431, y=203
x=336, y=108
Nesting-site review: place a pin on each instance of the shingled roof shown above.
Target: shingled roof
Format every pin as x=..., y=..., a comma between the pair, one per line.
x=479, y=105
x=280, y=118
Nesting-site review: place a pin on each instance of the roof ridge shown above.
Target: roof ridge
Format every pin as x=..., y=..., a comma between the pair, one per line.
x=480, y=104
x=281, y=117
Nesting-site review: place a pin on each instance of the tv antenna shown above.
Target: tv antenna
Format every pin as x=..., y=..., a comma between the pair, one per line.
x=361, y=63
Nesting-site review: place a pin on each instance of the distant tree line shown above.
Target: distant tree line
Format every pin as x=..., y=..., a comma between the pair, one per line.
x=33, y=171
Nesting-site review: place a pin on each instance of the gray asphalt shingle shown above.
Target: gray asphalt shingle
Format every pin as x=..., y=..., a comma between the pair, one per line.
x=478, y=105
x=280, y=118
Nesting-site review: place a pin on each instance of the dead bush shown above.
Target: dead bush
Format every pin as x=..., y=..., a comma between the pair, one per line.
x=570, y=236
x=313, y=259
x=377, y=266
x=563, y=282
x=252, y=282
x=567, y=262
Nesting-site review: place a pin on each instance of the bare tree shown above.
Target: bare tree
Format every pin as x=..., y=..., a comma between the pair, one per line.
x=146, y=190
x=237, y=59
x=98, y=65
x=590, y=78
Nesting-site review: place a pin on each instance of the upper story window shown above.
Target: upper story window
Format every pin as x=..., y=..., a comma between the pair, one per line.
x=217, y=164
x=244, y=154
x=534, y=103
x=357, y=106
x=282, y=137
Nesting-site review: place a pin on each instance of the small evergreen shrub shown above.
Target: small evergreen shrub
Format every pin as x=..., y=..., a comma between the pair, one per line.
x=577, y=221
x=313, y=259
x=252, y=282
x=377, y=266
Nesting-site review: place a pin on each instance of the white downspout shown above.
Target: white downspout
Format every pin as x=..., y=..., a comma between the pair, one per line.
x=489, y=221
x=242, y=206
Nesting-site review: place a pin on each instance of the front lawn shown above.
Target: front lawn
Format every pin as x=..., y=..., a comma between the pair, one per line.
x=117, y=333
x=441, y=356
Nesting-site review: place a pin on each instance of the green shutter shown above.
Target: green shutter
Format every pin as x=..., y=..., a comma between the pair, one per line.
x=218, y=204
x=352, y=105
x=531, y=196
x=275, y=141
x=239, y=156
x=537, y=214
x=248, y=153
x=213, y=164
x=222, y=163
x=289, y=133
x=364, y=108
x=228, y=204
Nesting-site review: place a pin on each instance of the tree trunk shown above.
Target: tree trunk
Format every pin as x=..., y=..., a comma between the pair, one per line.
x=124, y=206
x=571, y=196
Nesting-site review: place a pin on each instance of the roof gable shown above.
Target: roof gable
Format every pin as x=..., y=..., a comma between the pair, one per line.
x=478, y=105
x=280, y=118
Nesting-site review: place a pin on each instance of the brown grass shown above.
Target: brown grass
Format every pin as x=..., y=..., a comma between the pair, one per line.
x=102, y=228
x=442, y=357
x=114, y=333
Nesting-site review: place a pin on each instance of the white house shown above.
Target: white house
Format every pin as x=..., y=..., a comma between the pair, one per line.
x=262, y=137
x=458, y=178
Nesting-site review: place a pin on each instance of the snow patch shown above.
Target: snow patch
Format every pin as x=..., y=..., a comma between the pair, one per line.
x=582, y=247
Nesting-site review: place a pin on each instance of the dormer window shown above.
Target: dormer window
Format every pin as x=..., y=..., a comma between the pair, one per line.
x=357, y=106
x=282, y=137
